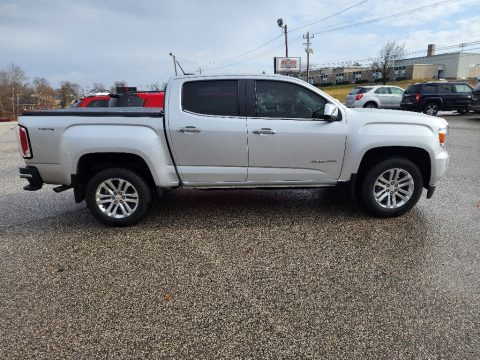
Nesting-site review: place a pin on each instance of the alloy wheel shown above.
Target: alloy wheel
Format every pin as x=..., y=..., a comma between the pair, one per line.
x=393, y=188
x=117, y=198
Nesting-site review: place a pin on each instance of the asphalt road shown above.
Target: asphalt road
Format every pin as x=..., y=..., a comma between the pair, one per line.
x=244, y=274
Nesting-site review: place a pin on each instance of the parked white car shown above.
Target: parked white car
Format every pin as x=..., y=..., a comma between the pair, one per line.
x=381, y=96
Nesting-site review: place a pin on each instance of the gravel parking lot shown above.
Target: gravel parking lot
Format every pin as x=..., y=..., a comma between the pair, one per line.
x=244, y=274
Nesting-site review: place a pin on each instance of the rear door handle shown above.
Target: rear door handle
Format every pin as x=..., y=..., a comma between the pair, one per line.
x=264, y=131
x=188, y=130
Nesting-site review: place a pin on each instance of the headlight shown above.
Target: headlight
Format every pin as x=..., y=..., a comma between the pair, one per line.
x=442, y=136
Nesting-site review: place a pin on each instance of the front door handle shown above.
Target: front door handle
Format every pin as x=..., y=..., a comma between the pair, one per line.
x=188, y=130
x=264, y=131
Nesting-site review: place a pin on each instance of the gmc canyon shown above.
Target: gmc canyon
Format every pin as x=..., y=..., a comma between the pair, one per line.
x=222, y=132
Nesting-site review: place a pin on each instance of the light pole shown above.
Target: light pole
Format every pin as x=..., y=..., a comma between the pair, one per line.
x=284, y=27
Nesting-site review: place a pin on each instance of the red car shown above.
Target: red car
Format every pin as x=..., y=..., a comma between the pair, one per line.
x=93, y=101
x=141, y=99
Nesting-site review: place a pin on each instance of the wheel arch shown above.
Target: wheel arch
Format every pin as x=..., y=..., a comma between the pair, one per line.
x=373, y=101
x=92, y=163
x=418, y=156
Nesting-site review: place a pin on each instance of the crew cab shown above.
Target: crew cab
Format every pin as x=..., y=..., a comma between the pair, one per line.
x=224, y=132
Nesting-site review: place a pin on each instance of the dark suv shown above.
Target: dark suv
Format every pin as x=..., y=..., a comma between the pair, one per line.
x=431, y=97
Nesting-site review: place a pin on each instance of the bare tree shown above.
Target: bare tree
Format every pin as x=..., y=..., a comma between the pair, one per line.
x=68, y=92
x=13, y=85
x=98, y=87
x=44, y=94
x=386, y=59
x=157, y=86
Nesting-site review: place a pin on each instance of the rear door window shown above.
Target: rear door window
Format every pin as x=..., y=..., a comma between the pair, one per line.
x=445, y=88
x=212, y=97
x=383, y=91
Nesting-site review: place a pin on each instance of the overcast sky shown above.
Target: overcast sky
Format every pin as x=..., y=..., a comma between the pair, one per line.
x=88, y=41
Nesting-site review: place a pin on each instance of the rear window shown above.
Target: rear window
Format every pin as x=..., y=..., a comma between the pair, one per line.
x=217, y=97
x=413, y=89
x=477, y=88
x=360, y=90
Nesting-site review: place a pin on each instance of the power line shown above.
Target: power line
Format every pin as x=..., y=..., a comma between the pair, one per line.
x=388, y=17
x=275, y=38
x=365, y=22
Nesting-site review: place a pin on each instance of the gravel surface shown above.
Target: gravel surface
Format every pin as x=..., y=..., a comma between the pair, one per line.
x=244, y=274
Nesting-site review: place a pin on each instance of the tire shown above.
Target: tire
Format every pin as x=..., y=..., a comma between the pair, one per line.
x=431, y=109
x=399, y=175
x=463, y=111
x=370, y=105
x=118, y=197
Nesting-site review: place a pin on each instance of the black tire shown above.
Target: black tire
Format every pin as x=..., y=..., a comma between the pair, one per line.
x=462, y=111
x=370, y=105
x=127, y=207
x=388, y=206
x=431, y=109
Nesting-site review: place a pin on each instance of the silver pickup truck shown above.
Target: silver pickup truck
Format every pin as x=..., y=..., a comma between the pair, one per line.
x=233, y=132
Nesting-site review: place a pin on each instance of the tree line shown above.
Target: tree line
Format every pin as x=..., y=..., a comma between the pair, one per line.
x=18, y=93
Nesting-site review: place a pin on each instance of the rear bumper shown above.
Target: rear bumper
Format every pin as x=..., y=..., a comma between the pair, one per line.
x=411, y=106
x=31, y=173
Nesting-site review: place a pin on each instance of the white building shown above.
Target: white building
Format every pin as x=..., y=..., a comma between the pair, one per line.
x=457, y=65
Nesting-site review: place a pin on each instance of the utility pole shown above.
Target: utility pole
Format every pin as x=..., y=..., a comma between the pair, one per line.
x=285, y=31
x=174, y=63
x=308, y=50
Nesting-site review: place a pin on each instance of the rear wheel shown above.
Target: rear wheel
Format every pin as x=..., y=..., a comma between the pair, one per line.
x=370, y=105
x=391, y=188
x=118, y=197
x=462, y=111
x=431, y=109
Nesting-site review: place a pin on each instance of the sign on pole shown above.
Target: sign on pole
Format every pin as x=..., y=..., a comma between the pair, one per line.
x=286, y=64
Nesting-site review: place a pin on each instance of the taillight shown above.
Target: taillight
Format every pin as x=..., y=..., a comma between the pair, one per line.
x=418, y=97
x=24, y=142
x=358, y=97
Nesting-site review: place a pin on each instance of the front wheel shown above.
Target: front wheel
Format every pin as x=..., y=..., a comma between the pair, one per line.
x=118, y=197
x=391, y=188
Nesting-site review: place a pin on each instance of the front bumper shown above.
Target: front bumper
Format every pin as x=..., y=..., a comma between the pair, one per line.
x=31, y=173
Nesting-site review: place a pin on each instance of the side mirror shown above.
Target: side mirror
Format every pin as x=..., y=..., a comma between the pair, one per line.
x=330, y=113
